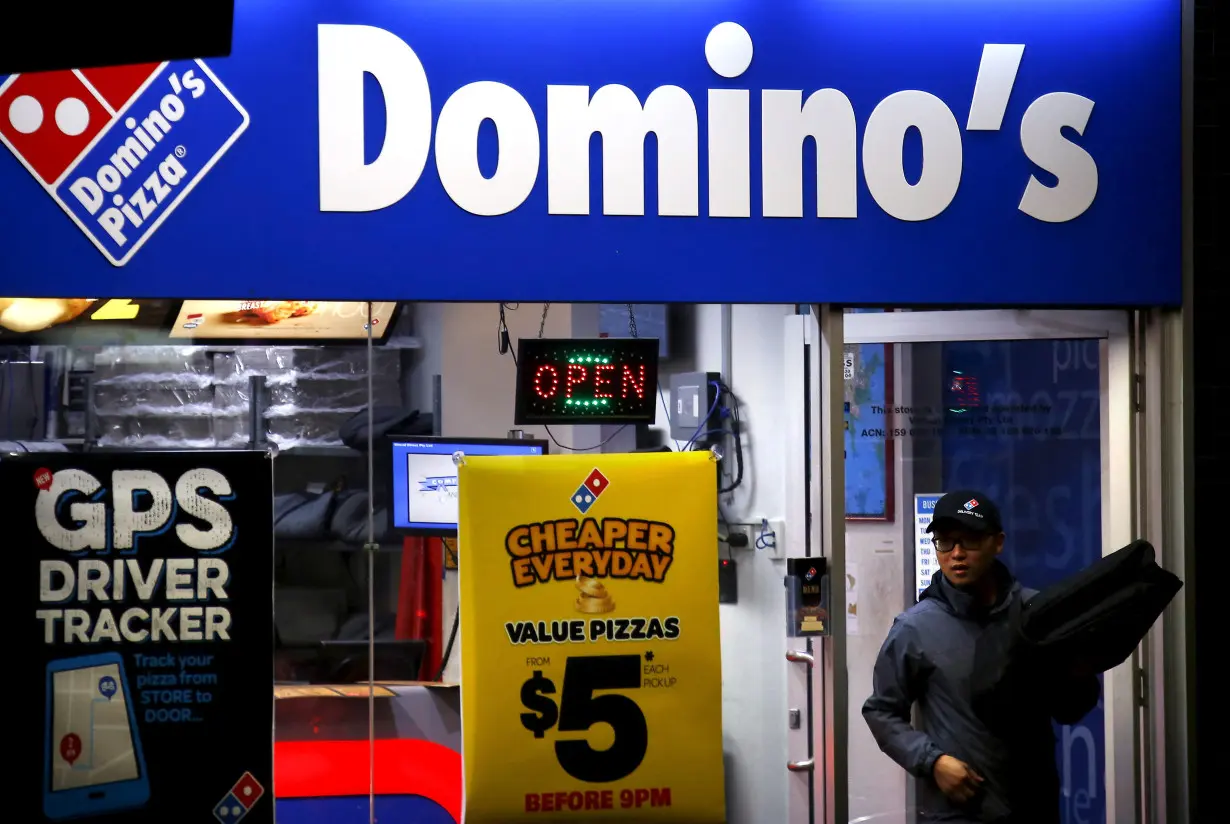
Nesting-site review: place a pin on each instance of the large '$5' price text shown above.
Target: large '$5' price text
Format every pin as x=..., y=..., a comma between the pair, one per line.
x=579, y=709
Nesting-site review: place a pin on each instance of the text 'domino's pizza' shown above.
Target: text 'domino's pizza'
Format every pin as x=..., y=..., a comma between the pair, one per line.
x=119, y=148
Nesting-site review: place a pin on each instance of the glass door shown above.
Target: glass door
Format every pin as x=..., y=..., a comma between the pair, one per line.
x=1034, y=410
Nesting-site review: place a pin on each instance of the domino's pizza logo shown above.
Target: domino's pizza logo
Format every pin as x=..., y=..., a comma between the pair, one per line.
x=588, y=493
x=971, y=503
x=241, y=798
x=119, y=148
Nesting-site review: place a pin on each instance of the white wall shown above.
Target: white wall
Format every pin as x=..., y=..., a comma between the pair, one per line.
x=427, y=325
x=877, y=553
x=754, y=670
x=479, y=384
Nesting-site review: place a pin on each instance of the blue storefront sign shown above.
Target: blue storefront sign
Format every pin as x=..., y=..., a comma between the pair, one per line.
x=852, y=151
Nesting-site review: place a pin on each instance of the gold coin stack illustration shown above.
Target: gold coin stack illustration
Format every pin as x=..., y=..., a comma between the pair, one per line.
x=594, y=597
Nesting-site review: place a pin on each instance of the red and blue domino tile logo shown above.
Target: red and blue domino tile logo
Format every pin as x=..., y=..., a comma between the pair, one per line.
x=588, y=492
x=119, y=148
x=241, y=798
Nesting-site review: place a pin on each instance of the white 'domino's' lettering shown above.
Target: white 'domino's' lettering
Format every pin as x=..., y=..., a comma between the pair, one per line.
x=574, y=115
x=145, y=135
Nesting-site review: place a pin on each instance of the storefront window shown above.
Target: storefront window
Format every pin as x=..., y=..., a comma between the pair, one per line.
x=296, y=380
x=365, y=597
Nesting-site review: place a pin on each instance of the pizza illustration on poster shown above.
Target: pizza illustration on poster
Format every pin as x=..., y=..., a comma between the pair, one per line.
x=144, y=625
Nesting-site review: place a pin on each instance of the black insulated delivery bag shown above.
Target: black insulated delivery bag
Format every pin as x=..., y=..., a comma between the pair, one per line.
x=1093, y=620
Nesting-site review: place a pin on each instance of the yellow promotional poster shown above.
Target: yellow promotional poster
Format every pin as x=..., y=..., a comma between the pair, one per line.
x=591, y=673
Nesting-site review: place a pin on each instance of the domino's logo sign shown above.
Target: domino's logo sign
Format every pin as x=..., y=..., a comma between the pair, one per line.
x=589, y=491
x=119, y=148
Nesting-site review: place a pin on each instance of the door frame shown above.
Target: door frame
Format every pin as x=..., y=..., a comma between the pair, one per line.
x=1114, y=329
x=813, y=494
x=1164, y=474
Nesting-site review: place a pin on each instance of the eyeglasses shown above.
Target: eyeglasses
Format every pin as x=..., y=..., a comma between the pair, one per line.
x=970, y=542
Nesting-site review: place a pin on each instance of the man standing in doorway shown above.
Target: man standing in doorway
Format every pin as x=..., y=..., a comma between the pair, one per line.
x=984, y=750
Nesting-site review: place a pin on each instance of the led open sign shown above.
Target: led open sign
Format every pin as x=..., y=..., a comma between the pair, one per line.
x=587, y=381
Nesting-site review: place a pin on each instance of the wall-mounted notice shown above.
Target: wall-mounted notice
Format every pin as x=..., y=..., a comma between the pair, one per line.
x=924, y=554
x=852, y=576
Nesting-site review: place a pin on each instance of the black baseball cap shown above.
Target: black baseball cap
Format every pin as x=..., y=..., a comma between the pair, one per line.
x=966, y=509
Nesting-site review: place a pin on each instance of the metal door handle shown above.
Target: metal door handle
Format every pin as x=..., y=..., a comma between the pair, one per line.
x=798, y=656
x=801, y=766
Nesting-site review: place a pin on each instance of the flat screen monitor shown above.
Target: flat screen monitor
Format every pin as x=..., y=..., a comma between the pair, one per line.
x=424, y=484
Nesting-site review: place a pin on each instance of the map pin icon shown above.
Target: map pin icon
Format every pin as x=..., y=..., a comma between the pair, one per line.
x=70, y=747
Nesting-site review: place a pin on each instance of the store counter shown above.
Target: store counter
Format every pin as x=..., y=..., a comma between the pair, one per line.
x=321, y=753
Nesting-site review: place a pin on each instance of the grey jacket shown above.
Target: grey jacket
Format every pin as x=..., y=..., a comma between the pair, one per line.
x=980, y=700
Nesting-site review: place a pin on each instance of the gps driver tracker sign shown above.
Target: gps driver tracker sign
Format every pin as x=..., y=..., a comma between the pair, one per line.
x=144, y=624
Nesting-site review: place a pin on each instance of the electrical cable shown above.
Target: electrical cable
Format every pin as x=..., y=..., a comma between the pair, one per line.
x=735, y=432
x=724, y=536
x=448, y=650
x=717, y=397
x=598, y=445
x=737, y=435
x=502, y=342
x=666, y=410
x=767, y=538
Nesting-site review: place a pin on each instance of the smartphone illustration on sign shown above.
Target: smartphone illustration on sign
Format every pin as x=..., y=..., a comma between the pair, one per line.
x=92, y=760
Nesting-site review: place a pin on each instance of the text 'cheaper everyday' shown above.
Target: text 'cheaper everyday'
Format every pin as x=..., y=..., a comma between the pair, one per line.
x=180, y=598
x=594, y=548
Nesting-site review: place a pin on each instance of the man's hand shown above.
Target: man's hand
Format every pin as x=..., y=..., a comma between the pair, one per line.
x=956, y=779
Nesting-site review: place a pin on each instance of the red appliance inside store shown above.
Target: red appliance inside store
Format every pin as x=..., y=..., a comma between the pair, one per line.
x=328, y=780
